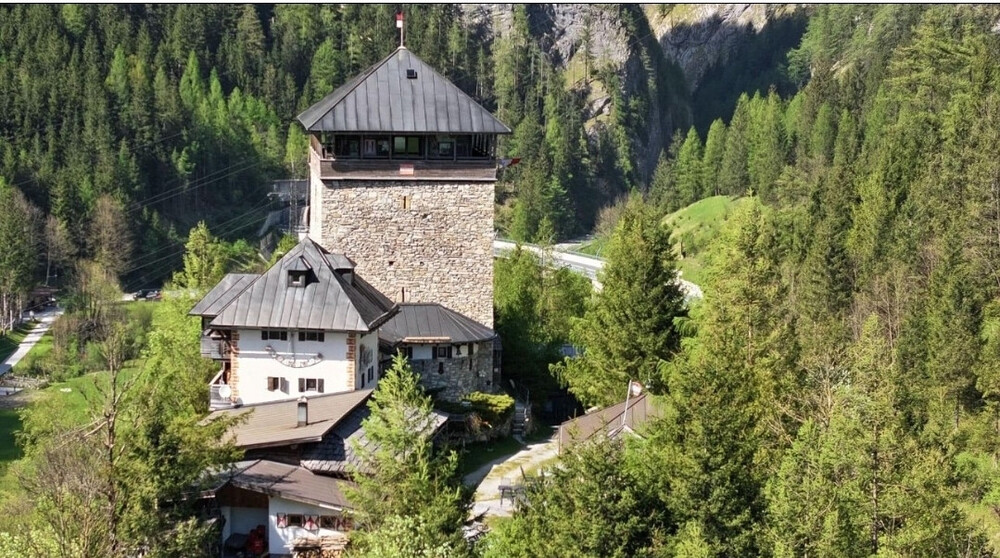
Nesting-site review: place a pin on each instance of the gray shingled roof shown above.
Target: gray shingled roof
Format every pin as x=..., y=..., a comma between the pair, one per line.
x=276, y=424
x=222, y=294
x=432, y=323
x=383, y=99
x=641, y=409
x=290, y=482
x=336, y=455
x=335, y=298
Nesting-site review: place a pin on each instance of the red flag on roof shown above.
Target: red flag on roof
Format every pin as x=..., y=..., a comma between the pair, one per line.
x=399, y=20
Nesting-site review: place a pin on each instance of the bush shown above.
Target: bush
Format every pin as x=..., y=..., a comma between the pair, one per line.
x=493, y=409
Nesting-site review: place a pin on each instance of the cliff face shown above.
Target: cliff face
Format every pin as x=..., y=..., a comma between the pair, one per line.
x=699, y=36
x=660, y=53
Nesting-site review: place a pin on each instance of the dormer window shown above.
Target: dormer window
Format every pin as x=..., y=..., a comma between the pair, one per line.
x=297, y=278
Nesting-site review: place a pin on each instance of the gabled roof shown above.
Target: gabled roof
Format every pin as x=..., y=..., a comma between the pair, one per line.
x=336, y=455
x=334, y=299
x=641, y=409
x=276, y=424
x=432, y=323
x=290, y=482
x=222, y=294
x=384, y=99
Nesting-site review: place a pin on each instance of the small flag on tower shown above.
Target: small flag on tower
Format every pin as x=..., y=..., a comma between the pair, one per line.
x=399, y=20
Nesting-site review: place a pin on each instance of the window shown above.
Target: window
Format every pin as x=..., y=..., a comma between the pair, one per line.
x=294, y=519
x=362, y=380
x=407, y=146
x=312, y=336
x=310, y=384
x=273, y=334
x=382, y=147
x=442, y=351
x=406, y=202
x=371, y=373
x=441, y=147
x=335, y=523
x=407, y=352
x=296, y=278
x=273, y=383
x=347, y=146
x=369, y=147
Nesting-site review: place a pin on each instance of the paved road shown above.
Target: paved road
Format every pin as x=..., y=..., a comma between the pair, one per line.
x=586, y=265
x=45, y=322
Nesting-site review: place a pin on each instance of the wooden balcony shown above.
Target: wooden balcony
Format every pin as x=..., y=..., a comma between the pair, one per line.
x=471, y=170
x=214, y=348
x=215, y=399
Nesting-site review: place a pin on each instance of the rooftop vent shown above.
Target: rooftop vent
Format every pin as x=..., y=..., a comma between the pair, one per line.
x=411, y=73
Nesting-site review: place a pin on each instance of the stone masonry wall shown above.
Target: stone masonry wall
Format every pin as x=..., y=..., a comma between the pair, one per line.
x=415, y=241
x=455, y=378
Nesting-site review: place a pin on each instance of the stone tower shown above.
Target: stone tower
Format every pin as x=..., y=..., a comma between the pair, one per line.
x=402, y=168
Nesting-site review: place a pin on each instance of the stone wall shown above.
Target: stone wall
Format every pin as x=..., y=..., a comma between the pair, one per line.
x=416, y=241
x=454, y=378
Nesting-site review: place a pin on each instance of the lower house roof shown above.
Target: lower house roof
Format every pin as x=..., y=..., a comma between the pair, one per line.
x=641, y=409
x=276, y=423
x=426, y=323
x=336, y=453
x=288, y=481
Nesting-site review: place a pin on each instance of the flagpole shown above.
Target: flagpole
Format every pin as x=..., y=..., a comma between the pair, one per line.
x=627, y=395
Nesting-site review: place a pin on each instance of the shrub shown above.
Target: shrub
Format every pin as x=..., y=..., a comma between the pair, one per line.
x=494, y=409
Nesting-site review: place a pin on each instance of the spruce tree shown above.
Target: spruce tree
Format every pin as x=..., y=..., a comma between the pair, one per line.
x=688, y=170
x=734, y=174
x=715, y=146
x=629, y=327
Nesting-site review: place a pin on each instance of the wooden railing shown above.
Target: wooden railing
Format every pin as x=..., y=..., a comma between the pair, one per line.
x=216, y=349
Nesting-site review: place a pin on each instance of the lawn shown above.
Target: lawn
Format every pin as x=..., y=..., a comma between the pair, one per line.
x=10, y=422
x=694, y=228
x=594, y=247
x=9, y=342
x=478, y=454
x=37, y=353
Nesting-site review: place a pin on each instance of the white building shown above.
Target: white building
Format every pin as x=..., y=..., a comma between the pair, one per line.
x=306, y=326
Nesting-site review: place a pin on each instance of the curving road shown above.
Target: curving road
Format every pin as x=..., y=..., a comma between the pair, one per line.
x=587, y=265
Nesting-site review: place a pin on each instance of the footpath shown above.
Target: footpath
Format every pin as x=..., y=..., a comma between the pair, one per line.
x=507, y=471
x=45, y=320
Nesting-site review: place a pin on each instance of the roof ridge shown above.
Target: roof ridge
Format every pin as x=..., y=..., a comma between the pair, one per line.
x=295, y=399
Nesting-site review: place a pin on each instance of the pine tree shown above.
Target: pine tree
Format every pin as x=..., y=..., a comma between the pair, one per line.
x=688, y=170
x=734, y=173
x=400, y=473
x=629, y=327
x=715, y=145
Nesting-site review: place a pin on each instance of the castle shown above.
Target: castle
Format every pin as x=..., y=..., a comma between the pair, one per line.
x=398, y=259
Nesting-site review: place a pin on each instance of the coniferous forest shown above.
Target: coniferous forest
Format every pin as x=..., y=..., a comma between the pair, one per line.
x=836, y=392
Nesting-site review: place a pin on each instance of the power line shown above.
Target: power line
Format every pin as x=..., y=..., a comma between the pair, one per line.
x=178, y=251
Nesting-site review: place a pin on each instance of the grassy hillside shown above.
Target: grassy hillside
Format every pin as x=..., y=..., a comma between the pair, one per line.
x=694, y=227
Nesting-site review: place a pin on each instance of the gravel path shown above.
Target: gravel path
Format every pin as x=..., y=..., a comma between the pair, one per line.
x=507, y=470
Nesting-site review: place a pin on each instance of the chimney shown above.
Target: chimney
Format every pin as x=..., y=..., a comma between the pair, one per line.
x=303, y=412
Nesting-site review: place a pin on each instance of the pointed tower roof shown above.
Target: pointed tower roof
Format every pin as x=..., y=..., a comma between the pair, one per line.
x=331, y=298
x=400, y=94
